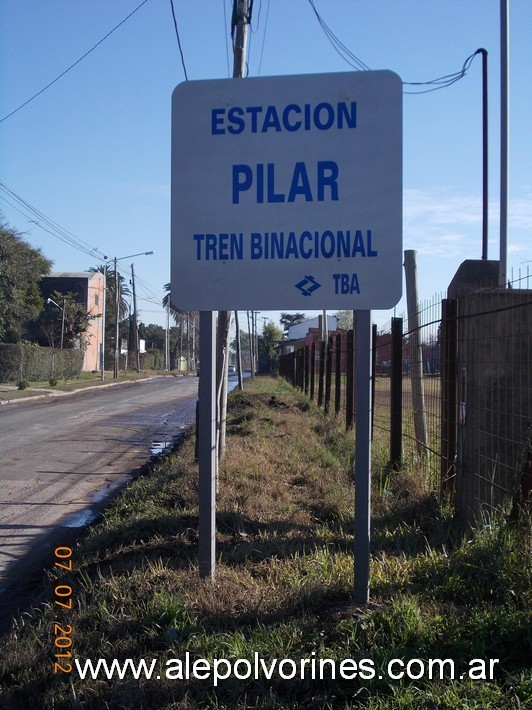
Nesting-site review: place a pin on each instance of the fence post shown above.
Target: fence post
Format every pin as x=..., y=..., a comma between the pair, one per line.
x=338, y=374
x=293, y=379
x=349, y=382
x=307, y=349
x=321, y=373
x=449, y=385
x=312, y=368
x=373, y=372
x=416, y=352
x=396, y=387
x=328, y=374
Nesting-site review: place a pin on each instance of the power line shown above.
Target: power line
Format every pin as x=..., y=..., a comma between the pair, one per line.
x=178, y=40
x=226, y=40
x=74, y=64
x=48, y=225
x=443, y=82
x=149, y=291
x=337, y=44
x=263, y=34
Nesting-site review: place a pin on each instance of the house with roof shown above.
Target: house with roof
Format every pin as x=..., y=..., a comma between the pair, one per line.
x=89, y=291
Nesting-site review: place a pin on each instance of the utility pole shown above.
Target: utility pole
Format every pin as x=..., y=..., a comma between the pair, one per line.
x=250, y=344
x=117, y=333
x=256, y=341
x=239, y=31
x=167, y=339
x=505, y=120
x=117, y=306
x=135, y=322
x=63, y=323
x=103, y=320
x=238, y=353
x=484, y=153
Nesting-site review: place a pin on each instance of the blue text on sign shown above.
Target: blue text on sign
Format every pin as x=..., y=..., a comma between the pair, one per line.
x=346, y=284
x=292, y=117
x=262, y=178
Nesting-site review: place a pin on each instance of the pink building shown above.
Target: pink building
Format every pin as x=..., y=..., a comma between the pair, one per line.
x=89, y=289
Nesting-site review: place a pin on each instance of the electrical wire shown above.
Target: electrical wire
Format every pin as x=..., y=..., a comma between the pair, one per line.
x=337, y=44
x=226, y=41
x=150, y=292
x=443, y=82
x=178, y=40
x=37, y=217
x=51, y=83
x=263, y=34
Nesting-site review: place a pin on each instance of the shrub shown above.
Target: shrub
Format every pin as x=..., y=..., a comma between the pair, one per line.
x=33, y=363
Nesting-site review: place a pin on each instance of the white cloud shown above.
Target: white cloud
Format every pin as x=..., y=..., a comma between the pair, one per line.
x=448, y=225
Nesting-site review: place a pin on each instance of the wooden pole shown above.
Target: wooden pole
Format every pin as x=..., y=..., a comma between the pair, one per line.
x=416, y=352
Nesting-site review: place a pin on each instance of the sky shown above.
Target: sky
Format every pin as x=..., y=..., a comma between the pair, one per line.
x=92, y=151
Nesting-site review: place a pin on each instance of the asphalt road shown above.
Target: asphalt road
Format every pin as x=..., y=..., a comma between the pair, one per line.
x=60, y=456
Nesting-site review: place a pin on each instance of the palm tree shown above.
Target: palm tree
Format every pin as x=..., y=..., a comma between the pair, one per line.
x=188, y=324
x=110, y=299
x=167, y=303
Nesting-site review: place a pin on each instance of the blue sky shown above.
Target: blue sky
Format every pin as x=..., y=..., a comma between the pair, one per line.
x=92, y=152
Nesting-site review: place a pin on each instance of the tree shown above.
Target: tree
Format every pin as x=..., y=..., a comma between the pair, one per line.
x=245, y=349
x=64, y=320
x=287, y=320
x=110, y=298
x=153, y=335
x=21, y=269
x=344, y=320
x=188, y=325
x=267, y=355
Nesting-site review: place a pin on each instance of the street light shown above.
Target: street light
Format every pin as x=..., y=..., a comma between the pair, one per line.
x=117, y=301
x=51, y=300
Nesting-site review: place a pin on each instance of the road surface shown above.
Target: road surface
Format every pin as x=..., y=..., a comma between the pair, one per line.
x=61, y=455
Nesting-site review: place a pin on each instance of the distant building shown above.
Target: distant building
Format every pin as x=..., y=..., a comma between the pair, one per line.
x=89, y=291
x=300, y=330
x=298, y=334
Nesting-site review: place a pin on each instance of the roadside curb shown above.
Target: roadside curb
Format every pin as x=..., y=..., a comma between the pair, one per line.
x=49, y=394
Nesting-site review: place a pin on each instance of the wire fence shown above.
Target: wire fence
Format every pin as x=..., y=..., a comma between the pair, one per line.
x=453, y=395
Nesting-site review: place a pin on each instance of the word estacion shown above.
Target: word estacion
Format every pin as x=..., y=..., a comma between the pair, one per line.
x=292, y=117
x=328, y=244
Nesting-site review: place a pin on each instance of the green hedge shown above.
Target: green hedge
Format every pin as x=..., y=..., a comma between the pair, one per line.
x=38, y=363
x=152, y=360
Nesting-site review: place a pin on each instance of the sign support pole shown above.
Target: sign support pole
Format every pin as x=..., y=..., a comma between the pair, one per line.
x=363, y=407
x=207, y=445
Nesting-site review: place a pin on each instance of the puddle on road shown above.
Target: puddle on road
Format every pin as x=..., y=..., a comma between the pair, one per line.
x=78, y=520
x=87, y=515
x=159, y=447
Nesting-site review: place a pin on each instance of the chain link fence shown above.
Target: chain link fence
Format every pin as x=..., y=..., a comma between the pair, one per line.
x=453, y=396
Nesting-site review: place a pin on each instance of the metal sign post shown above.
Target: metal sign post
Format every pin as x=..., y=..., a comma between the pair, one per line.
x=363, y=408
x=207, y=445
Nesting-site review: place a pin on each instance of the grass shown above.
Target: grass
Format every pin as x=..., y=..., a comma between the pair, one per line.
x=283, y=583
x=9, y=391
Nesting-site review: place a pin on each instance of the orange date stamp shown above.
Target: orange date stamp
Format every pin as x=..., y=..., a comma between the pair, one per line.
x=62, y=632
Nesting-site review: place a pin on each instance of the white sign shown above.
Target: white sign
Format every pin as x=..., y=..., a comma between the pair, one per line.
x=287, y=192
